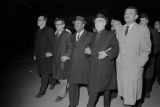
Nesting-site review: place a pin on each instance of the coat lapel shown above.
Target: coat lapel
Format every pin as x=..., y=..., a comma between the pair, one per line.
x=81, y=38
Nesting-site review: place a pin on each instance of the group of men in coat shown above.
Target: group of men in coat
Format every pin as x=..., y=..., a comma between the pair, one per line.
x=89, y=59
x=79, y=59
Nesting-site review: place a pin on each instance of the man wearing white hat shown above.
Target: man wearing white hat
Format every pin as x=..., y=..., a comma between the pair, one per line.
x=103, y=50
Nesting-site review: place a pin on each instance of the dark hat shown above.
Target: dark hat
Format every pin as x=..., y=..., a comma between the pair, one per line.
x=81, y=19
x=100, y=15
x=144, y=15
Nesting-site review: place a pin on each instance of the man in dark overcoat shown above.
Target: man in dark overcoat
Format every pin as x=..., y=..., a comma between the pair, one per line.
x=62, y=56
x=79, y=62
x=104, y=50
x=43, y=55
x=150, y=65
x=157, y=62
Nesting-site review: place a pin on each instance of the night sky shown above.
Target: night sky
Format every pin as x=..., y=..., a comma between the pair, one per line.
x=19, y=17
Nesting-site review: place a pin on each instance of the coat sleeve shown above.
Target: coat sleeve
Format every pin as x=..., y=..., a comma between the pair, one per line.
x=113, y=53
x=50, y=35
x=68, y=45
x=91, y=38
x=35, y=44
x=156, y=41
x=145, y=46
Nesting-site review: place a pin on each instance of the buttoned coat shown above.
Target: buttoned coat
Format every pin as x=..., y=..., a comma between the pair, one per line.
x=79, y=70
x=102, y=74
x=62, y=48
x=150, y=65
x=133, y=55
x=44, y=42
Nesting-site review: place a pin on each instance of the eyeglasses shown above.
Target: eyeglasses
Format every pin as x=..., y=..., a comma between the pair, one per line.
x=40, y=20
x=58, y=24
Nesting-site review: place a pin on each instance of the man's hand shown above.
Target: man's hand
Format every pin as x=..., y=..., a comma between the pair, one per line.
x=102, y=55
x=64, y=58
x=34, y=57
x=48, y=54
x=87, y=50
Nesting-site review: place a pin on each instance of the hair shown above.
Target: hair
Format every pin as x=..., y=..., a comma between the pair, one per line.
x=59, y=19
x=133, y=7
x=144, y=15
x=157, y=21
x=44, y=17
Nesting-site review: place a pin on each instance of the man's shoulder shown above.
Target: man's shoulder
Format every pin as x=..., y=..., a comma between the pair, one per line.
x=68, y=34
x=110, y=33
x=140, y=27
x=49, y=29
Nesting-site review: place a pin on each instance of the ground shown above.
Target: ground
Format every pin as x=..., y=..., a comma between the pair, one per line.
x=21, y=84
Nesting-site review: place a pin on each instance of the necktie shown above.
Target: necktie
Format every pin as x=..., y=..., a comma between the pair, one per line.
x=58, y=33
x=126, y=31
x=78, y=36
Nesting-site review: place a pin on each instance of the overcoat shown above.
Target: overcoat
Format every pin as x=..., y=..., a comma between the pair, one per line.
x=133, y=55
x=44, y=43
x=102, y=74
x=62, y=48
x=150, y=65
x=79, y=69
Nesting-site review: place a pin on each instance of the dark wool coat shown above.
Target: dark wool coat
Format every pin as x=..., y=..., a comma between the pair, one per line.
x=79, y=70
x=43, y=44
x=150, y=65
x=102, y=74
x=62, y=48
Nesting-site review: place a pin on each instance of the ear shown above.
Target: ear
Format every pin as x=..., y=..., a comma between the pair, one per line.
x=104, y=23
x=136, y=17
x=63, y=25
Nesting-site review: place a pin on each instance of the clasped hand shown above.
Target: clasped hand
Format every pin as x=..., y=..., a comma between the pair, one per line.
x=48, y=54
x=87, y=50
x=64, y=58
x=102, y=54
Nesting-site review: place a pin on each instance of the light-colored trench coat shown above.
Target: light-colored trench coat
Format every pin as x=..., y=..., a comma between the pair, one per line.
x=133, y=54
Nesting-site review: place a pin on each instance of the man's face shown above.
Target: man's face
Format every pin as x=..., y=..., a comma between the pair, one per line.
x=115, y=24
x=99, y=25
x=41, y=21
x=130, y=15
x=59, y=25
x=78, y=25
x=157, y=25
x=143, y=21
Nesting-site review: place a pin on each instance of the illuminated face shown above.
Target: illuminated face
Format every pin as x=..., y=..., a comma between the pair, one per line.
x=115, y=24
x=157, y=25
x=99, y=25
x=59, y=25
x=41, y=21
x=78, y=25
x=130, y=15
x=143, y=21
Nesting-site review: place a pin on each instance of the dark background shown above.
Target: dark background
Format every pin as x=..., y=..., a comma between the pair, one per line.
x=19, y=19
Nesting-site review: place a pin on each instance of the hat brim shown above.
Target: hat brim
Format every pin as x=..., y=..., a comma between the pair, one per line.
x=84, y=22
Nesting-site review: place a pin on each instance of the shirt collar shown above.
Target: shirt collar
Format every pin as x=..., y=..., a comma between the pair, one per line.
x=80, y=33
x=41, y=27
x=129, y=25
x=58, y=32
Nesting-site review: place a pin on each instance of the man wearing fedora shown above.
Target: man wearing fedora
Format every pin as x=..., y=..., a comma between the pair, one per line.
x=104, y=50
x=79, y=62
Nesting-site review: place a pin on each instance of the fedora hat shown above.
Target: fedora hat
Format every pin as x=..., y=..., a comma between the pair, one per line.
x=100, y=17
x=80, y=18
